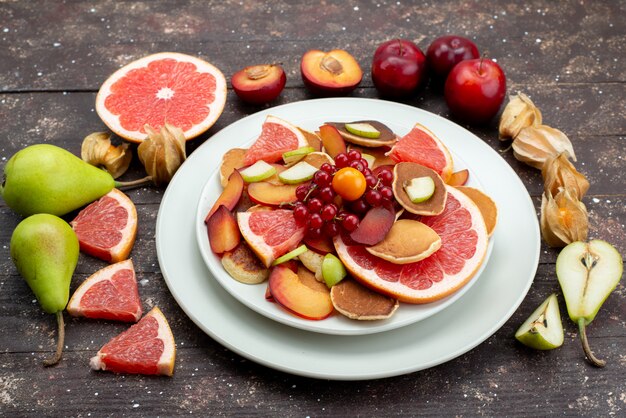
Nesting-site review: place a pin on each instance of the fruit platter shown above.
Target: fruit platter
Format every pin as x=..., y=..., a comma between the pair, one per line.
x=352, y=228
x=486, y=305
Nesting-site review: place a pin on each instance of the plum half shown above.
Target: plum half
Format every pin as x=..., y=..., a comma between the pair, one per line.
x=259, y=84
x=333, y=73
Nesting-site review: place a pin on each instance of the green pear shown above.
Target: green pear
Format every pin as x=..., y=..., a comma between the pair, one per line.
x=543, y=330
x=588, y=272
x=44, y=178
x=44, y=248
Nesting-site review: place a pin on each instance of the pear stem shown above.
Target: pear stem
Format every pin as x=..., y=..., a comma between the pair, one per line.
x=583, y=338
x=60, y=341
x=135, y=183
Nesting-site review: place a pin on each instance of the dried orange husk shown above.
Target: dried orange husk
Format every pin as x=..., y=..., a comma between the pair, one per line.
x=518, y=114
x=560, y=172
x=534, y=145
x=563, y=218
x=162, y=153
x=97, y=150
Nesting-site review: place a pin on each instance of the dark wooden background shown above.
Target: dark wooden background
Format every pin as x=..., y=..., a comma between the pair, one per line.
x=567, y=56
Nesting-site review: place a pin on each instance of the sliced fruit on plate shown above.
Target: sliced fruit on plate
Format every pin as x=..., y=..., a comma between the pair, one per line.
x=419, y=189
x=231, y=194
x=110, y=293
x=404, y=174
x=316, y=159
x=374, y=226
x=308, y=279
x=258, y=171
x=298, y=173
x=362, y=129
x=106, y=228
x=356, y=301
x=290, y=255
x=386, y=136
x=458, y=178
x=277, y=137
x=179, y=89
x=270, y=234
x=486, y=205
x=292, y=157
x=332, y=140
x=266, y=193
x=291, y=293
x=422, y=146
x=333, y=270
x=312, y=261
x=222, y=230
x=231, y=161
x=244, y=266
x=313, y=139
x=147, y=347
x=406, y=242
x=464, y=243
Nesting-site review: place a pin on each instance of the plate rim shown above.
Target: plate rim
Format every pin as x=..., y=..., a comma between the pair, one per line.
x=386, y=371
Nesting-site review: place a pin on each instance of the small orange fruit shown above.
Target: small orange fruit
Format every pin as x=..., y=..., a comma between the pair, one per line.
x=349, y=183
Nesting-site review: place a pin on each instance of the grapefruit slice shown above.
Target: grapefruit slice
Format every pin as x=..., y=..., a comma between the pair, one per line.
x=277, y=137
x=147, y=347
x=110, y=293
x=106, y=228
x=168, y=87
x=422, y=146
x=270, y=233
x=463, y=247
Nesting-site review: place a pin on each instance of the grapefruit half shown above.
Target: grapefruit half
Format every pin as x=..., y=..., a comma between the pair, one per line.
x=110, y=293
x=464, y=242
x=422, y=146
x=106, y=228
x=147, y=347
x=167, y=87
x=270, y=233
x=277, y=137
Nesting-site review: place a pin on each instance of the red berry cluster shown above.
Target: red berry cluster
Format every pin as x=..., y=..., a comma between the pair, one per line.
x=317, y=205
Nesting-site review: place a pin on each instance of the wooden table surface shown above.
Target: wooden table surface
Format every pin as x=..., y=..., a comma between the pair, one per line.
x=568, y=57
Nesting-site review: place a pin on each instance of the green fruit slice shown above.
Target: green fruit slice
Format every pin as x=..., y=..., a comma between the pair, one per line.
x=333, y=270
x=298, y=173
x=293, y=156
x=258, y=171
x=543, y=330
x=290, y=255
x=420, y=189
x=364, y=130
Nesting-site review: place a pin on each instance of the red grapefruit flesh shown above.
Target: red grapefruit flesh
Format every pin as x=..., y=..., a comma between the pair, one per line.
x=277, y=137
x=168, y=87
x=421, y=146
x=464, y=242
x=110, y=293
x=147, y=347
x=270, y=233
x=106, y=228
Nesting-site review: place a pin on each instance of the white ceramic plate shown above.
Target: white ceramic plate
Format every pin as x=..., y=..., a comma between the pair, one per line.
x=241, y=135
x=453, y=331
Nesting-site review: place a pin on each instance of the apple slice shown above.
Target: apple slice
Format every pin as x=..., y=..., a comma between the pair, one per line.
x=364, y=130
x=333, y=142
x=298, y=173
x=223, y=230
x=230, y=195
x=543, y=330
x=258, y=171
x=288, y=290
x=333, y=270
x=269, y=194
x=290, y=255
x=293, y=156
x=420, y=189
x=588, y=272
